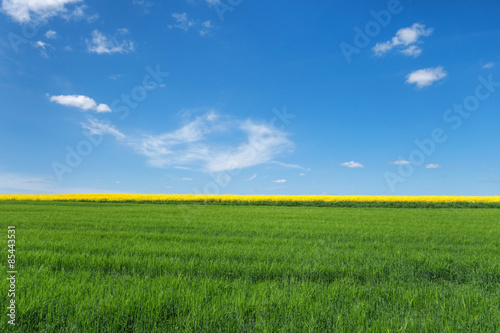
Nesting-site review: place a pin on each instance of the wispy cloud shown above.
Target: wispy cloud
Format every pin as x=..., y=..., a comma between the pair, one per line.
x=426, y=77
x=489, y=65
x=26, y=10
x=280, y=181
x=115, y=76
x=206, y=27
x=100, y=44
x=182, y=21
x=81, y=102
x=400, y=162
x=95, y=126
x=263, y=143
x=352, y=164
x=293, y=166
x=144, y=4
x=123, y=31
x=252, y=177
x=42, y=47
x=192, y=144
x=405, y=40
x=432, y=166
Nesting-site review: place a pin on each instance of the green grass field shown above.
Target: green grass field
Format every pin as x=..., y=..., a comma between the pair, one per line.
x=129, y=267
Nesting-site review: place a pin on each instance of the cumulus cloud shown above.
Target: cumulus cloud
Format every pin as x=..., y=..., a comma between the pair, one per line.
x=405, y=40
x=426, y=77
x=100, y=44
x=26, y=10
x=193, y=144
x=79, y=101
x=400, y=162
x=432, y=166
x=352, y=164
x=51, y=34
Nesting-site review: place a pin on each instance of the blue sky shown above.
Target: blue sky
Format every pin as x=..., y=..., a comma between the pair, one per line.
x=250, y=97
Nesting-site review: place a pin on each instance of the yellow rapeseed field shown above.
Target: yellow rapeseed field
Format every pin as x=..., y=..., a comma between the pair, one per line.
x=251, y=198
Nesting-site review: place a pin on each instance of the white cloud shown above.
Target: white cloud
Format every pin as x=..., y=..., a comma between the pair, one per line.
x=263, y=142
x=432, y=166
x=79, y=101
x=192, y=144
x=252, y=177
x=281, y=181
x=123, y=31
x=95, y=126
x=412, y=50
x=405, y=41
x=144, y=4
x=489, y=65
x=352, y=164
x=426, y=77
x=206, y=26
x=186, y=179
x=302, y=174
x=51, y=34
x=42, y=47
x=182, y=21
x=101, y=44
x=400, y=162
x=27, y=10
x=293, y=166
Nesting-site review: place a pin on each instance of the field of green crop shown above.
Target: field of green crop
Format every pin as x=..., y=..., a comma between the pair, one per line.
x=130, y=267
